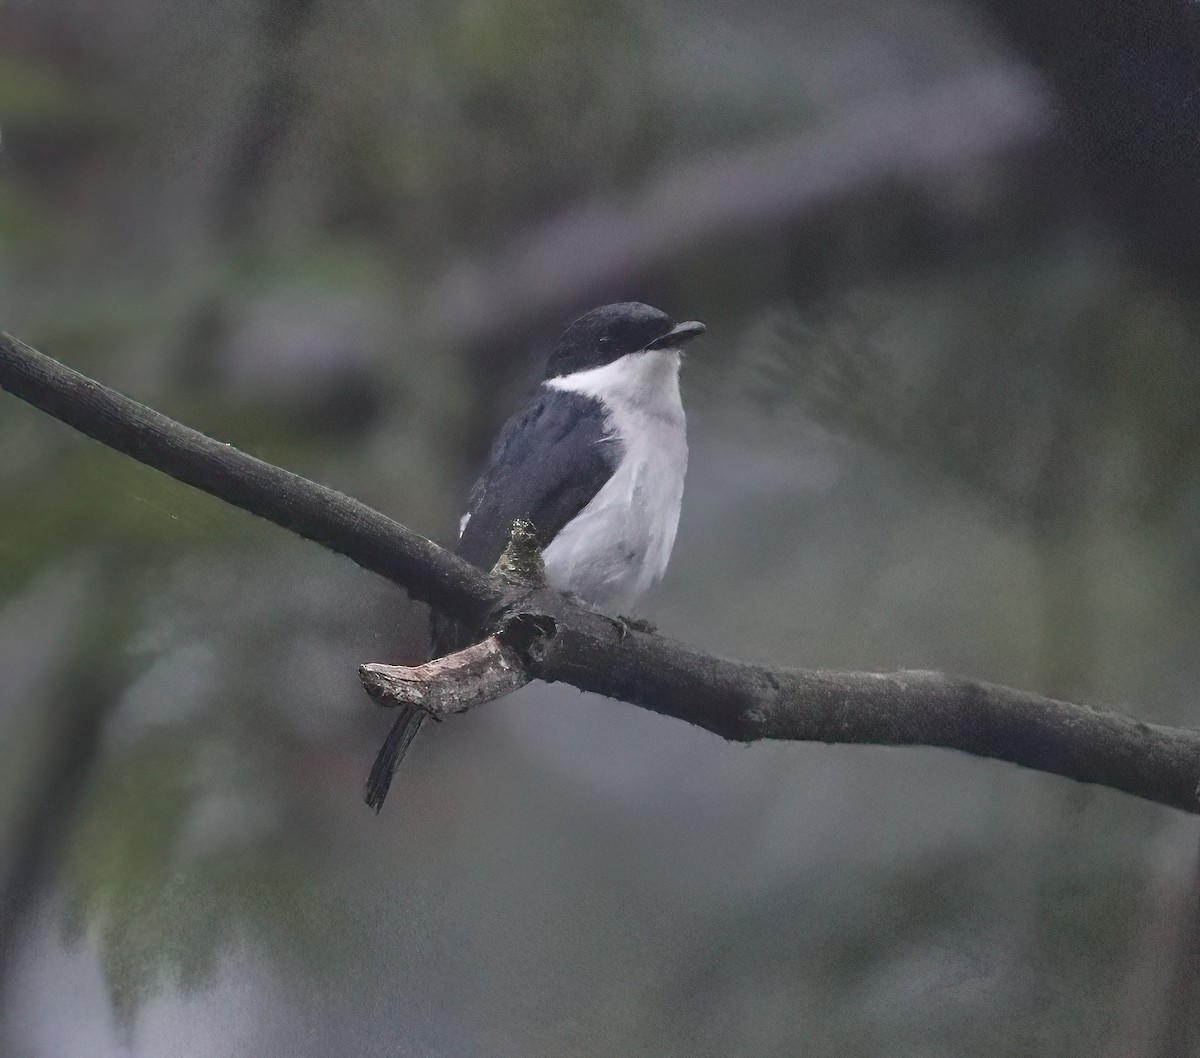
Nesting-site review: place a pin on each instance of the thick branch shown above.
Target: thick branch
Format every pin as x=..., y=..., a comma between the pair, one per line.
x=428, y=572
x=556, y=640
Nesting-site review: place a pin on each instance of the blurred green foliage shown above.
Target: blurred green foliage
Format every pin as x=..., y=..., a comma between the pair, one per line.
x=164, y=913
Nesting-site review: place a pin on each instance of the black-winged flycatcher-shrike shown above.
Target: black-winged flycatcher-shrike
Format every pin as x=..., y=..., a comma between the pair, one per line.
x=595, y=461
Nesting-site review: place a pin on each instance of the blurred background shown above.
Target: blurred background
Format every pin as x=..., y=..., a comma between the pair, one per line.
x=946, y=415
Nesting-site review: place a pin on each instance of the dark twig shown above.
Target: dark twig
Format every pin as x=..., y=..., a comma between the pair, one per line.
x=557, y=640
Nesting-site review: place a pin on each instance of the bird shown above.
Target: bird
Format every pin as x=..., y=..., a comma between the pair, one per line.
x=594, y=460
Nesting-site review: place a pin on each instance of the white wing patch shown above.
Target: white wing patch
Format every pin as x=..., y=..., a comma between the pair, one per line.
x=462, y=524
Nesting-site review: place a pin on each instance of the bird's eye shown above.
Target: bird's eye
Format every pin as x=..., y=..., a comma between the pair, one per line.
x=607, y=343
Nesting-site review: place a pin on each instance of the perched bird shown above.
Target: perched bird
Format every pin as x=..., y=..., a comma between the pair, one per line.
x=595, y=461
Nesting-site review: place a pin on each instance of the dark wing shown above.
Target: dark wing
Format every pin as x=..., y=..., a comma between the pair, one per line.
x=546, y=464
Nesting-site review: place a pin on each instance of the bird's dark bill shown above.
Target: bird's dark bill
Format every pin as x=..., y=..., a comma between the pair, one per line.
x=677, y=335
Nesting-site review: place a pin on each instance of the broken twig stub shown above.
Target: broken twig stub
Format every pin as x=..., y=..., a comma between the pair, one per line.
x=453, y=684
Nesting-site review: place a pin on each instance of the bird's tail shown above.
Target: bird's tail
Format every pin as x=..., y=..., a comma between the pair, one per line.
x=446, y=636
x=403, y=731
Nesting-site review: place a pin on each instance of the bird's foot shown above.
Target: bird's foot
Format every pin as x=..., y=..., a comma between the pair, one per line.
x=625, y=625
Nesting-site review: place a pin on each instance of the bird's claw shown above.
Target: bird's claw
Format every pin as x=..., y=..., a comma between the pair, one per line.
x=625, y=625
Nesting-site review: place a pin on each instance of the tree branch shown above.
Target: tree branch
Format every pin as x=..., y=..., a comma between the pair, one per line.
x=550, y=638
x=429, y=573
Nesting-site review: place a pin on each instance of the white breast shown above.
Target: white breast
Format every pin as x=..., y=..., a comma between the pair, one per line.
x=619, y=544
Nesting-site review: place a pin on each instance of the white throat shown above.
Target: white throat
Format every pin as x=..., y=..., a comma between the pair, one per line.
x=646, y=382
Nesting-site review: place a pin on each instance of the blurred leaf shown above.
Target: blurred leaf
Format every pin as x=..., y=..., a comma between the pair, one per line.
x=834, y=368
x=163, y=912
x=36, y=93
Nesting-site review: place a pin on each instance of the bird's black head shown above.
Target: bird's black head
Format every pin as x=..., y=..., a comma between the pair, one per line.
x=613, y=331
